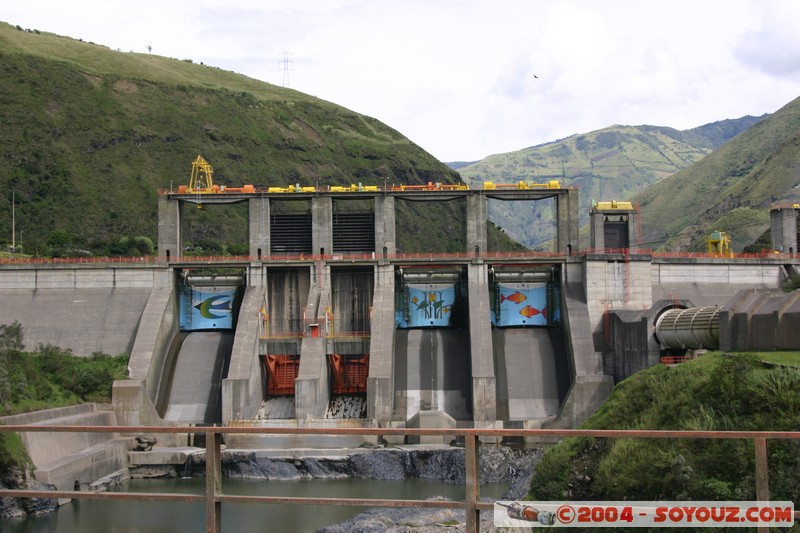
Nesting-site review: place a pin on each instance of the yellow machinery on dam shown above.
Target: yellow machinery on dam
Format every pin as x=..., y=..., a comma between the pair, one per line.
x=334, y=327
x=331, y=326
x=327, y=324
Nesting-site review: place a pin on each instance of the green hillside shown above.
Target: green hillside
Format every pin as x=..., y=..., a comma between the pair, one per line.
x=717, y=392
x=730, y=190
x=90, y=133
x=614, y=163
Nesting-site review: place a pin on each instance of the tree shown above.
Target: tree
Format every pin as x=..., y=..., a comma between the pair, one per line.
x=59, y=238
x=10, y=345
x=11, y=337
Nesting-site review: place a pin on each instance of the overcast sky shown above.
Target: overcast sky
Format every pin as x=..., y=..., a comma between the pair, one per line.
x=468, y=78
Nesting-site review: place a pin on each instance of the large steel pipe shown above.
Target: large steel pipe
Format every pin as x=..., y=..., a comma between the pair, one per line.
x=694, y=328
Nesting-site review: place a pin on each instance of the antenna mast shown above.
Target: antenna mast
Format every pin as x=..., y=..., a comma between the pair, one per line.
x=286, y=67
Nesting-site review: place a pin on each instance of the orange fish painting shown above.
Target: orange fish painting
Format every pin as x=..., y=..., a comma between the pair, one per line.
x=517, y=298
x=529, y=311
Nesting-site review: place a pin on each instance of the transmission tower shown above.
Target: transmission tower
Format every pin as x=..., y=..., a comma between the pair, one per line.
x=286, y=63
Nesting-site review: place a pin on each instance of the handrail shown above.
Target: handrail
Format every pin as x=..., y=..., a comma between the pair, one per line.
x=149, y=260
x=214, y=497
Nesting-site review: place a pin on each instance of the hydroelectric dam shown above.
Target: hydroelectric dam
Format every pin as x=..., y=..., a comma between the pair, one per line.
x=326, y=324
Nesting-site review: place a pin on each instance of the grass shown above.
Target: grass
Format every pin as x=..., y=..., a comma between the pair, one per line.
x=51, y=377
x=781, y=358
x=89, y=135
x=12, y=452
x=47, y=378
x=717, y=392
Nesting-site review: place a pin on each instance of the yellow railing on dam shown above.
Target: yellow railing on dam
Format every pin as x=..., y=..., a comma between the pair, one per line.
x=214, y=497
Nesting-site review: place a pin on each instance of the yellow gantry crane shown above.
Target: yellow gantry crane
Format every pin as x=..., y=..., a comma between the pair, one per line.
x=202, y=176
x=719, y=243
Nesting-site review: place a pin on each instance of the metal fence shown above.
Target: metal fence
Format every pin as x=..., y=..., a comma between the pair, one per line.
x=214, y=497
x=400, y=256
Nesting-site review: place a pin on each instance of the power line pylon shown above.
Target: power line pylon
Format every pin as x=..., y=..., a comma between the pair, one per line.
x=286, y=63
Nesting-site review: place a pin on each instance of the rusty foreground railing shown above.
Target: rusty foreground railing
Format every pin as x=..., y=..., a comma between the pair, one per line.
x=214, y=497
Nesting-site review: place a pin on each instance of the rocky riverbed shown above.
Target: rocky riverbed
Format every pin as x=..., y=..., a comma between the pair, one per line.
x=16, y=508
x=497, y=464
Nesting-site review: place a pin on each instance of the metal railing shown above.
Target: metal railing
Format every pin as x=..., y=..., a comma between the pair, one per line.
x=399, y=256
x=214, y=497
x=676, y=359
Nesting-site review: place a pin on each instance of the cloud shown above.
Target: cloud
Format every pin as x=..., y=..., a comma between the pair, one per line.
x=457, y=76
x=774, y=46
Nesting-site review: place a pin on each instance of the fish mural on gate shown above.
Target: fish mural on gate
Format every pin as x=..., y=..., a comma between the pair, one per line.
x=516, y=298
x=529, y=311
x=521, y=305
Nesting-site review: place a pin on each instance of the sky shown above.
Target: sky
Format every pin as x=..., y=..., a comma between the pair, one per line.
x=465, y=79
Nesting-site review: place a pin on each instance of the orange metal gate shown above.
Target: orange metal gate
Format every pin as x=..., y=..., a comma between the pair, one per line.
x=349, y=373
x=281, y=373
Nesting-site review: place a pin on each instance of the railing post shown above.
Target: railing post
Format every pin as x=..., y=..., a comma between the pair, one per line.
x=762, y=469
x=471, y=460
x=762, y=474
x=213, y=482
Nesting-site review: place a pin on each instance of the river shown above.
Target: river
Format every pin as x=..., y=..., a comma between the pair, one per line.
x=82, y=516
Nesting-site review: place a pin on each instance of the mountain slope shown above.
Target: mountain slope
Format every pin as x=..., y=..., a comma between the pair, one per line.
x=730, y=190
x=609, y=164
x=89, y=134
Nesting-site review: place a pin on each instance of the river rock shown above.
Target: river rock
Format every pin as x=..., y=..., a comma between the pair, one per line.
x=20, y=507
x=400, y=520
x=497, y=464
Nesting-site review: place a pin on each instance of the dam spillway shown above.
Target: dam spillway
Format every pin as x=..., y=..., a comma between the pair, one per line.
x=197, y=357
x=194, y=393
x=320, y=329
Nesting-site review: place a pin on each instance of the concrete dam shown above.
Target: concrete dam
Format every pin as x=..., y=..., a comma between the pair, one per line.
x=327, y=325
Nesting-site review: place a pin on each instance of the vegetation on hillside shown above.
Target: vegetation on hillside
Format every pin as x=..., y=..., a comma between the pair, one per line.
x=746, y=176
x=89, y=135
x=614, y=163
x=52, y=377
x=717, y=392
x=47, y=378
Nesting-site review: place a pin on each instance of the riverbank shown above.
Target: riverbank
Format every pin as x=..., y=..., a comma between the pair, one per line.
x=441, y=463
x=496, y=463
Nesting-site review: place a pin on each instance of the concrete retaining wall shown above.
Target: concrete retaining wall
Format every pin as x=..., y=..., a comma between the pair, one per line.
x=712, y=281
x=85, y=310
x=63, y=458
